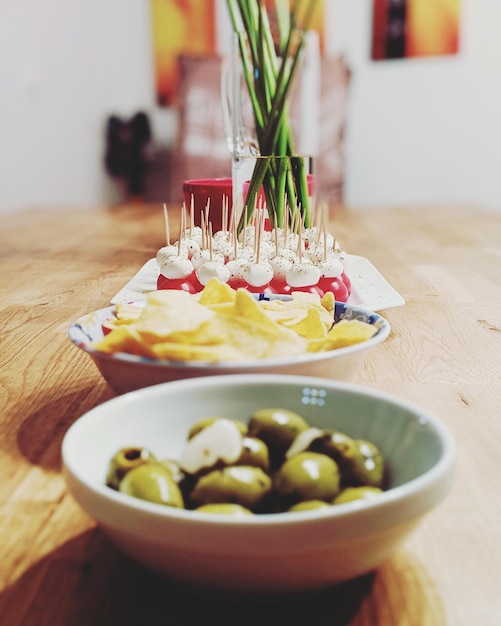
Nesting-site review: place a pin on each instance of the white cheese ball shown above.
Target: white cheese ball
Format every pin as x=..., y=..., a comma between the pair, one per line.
x=302, y=274
x=235, y=267
x=280, y=265
x=257, y=274
x=225, y=248
x=202, y=256
x=175, y=267
x=277, y=235
x=194, y=233
x=310, y=235
x=213, y=269
x=235, y=252
x=288, y=254
x=247, y=252
x=292, y=242
x=171, y=250
x=267, y=249
x=248, y=236
x=331, y=267
x=315, y=252
x=192, y=246
x=221, y=236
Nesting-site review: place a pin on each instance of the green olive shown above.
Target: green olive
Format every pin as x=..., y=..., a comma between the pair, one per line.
x=125, y=460
x=277, y=463
x=152, y=482
x=226, y=508
x=277, y=428
x=360, y=461
x=366, y=466
x=349, y=494
x=308, y=476
x=237, y=484
x=207, y=421
x=255, y=453
x=335, y=444
x=308, y=505
x=176, y=472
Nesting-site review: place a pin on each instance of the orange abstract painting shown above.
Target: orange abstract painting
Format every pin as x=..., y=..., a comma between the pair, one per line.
x=179, y=27
x=415, y=28
x=317, y=17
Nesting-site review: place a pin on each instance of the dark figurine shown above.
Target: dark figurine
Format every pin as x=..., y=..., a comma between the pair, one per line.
x=129, y=151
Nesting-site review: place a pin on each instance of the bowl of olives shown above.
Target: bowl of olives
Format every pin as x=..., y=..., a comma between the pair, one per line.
x=258, y=483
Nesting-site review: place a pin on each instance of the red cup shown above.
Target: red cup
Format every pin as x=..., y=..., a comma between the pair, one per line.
x=204, y=190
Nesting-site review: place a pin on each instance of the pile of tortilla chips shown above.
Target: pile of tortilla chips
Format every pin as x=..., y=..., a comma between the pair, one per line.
x=221, y=324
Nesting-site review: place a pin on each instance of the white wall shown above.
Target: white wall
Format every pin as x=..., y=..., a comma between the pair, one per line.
x=65, y=65
x=423, y=130
x=420, y=131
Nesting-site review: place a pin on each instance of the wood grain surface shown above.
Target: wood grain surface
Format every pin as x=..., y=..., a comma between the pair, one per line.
x=444, y=352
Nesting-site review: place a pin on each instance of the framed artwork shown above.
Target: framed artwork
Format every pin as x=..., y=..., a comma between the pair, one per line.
x=415, y=28
x=180, y=27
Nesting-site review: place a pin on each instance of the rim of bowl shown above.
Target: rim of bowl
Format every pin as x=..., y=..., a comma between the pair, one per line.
x=401, y=493
x=76, y=335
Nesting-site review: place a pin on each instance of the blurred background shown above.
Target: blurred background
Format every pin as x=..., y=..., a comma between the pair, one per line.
x=81, y=108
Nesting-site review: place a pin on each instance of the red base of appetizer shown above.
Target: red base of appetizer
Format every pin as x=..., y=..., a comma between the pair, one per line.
x=340, y=286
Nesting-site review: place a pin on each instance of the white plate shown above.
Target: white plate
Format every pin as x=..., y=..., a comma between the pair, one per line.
x=369, y=288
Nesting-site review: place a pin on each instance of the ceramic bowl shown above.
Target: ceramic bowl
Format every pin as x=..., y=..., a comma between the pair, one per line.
x=126, y=372
x=262, y=552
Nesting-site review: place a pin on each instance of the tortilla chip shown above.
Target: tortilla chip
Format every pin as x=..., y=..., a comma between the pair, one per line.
x=248, y=307
x=169, y=312
x=216, y=292
x=255, y=341
x=344, y=333
x=224, y=308
x=312, y=299
x=153, y=331
x=328, y=302
x=126, y=312
x=282, y=312
x=227, y=325
x=294, y=313
x=192, y=352
x=123, y=339
x=311, y=326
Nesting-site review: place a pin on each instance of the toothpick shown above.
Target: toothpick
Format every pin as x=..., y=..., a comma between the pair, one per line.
x=224, y=210
x=183, y=216
x=325, y=237
x=203, y=226
x=285, y=225
x=181, y=228
x=244, y=231
x=192, y=212
x=294, y=222
x=322, y=210
x=257, y=235
x=300, y=242
x=234, y=228
x=166, y=222
x=207, y=209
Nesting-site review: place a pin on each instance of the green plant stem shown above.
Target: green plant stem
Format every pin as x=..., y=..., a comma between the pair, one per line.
x=269, y=78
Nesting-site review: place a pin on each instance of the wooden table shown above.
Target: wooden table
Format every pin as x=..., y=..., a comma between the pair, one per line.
x=444, y=352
